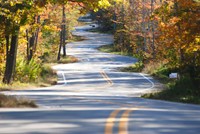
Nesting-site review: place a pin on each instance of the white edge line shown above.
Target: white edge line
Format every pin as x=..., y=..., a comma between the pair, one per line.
x=64, y=78
x=63, y=75
x=152, y=84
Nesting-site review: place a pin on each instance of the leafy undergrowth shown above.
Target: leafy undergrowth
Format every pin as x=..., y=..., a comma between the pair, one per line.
x=11, y=101
x=185, y=90
x=47, y=77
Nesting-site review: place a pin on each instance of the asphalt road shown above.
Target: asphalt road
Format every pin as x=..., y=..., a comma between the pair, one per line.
x=93, y=97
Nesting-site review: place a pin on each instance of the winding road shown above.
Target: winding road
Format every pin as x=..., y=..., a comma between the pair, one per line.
x=93, y=97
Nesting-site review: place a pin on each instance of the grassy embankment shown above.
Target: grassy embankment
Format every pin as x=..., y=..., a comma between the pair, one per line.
x=47, y=77
x=177, y=90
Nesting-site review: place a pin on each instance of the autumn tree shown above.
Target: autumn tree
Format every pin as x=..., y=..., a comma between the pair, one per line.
x=180, y=34
x=13, y=15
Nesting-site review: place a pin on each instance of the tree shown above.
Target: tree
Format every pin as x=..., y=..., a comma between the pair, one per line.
x=62, y=34
x=32, y=37
x=179, y=37
x=13, y=15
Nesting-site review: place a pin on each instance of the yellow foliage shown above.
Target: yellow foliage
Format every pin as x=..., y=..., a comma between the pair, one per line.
x=197, y=40
x=103, y=3
x=50, y=28
x=174, y=20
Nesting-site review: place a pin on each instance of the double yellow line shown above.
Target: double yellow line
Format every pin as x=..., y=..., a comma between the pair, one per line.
x=105, y=76
x=123, y=122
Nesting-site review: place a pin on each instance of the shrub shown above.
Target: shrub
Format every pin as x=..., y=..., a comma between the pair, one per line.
x=28, y=72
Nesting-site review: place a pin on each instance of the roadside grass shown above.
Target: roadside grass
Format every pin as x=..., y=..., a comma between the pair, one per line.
x=52, y=59
x=68, y=59
x=107, y=49
x=110, y=48
x=76, y=38
x=185, y=89
x=14, y=102
x=137, y=67
x=17, y=85
x=48, y=76
x=182, y=90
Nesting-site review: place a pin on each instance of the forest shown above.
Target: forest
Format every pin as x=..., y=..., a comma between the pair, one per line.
x=160, y=33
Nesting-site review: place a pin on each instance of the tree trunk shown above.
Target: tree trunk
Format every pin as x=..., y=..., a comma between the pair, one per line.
x=31, y=49
x=11, y=54
x=27, y=45
x=60, y=46
x=153, y=31
x=64, y=32
x=32, y=41
x=144, y=30
x=37, y=33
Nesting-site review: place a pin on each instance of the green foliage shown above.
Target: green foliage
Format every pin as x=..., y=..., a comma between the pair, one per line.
x=27, y=72
x=113, y=49
x=46, y=70
x=107, y=48
x=2, y=59
x=183, y=90
x=48, y=76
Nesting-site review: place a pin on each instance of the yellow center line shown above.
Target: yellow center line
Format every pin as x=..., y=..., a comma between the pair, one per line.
x=111, y=122
x=106, y=77
x=123, y=122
